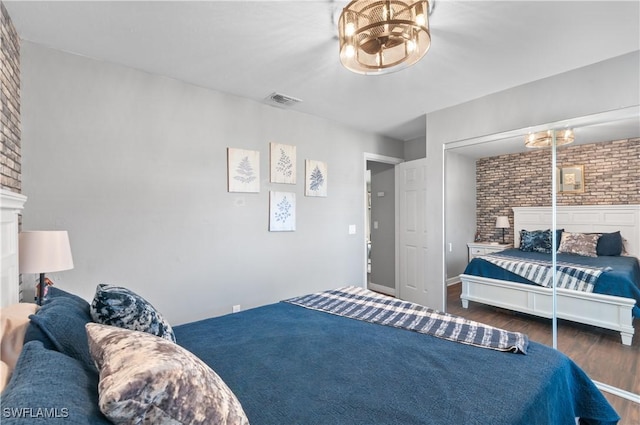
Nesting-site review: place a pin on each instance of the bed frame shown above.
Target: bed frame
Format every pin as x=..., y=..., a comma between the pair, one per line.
x=605, y=311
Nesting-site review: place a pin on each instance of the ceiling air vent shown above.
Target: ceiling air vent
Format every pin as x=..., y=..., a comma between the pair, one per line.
x=282, y=100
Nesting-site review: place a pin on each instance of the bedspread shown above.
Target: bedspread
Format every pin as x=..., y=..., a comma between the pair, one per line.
x=291, y=365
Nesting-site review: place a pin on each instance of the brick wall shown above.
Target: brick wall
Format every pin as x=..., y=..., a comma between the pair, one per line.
x=611, y=173
x=10, y=155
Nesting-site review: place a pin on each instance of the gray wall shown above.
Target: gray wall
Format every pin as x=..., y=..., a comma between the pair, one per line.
x=415, y=149
x=460, y=217
x=383, y=246
x=600, y=87
x=134, y=167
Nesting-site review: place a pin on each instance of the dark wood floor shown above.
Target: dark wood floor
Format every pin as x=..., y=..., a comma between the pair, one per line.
x=598, y=352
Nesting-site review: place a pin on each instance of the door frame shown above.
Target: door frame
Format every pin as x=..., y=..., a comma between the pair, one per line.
x=385, y=160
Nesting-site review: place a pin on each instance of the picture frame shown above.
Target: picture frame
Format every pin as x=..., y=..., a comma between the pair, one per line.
x=315, y=178
x=243, y=170
x=570, y=179
x=282, y=211
x=282, y=163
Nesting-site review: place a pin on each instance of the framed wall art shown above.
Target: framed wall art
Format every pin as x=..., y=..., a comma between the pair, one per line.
x=243, y=170
x=282, y=211
x=282, y=163
x=315, y=178
x=570, y=178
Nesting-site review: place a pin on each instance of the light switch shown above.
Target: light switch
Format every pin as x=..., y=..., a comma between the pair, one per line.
x=352, y=229
x=375, y=224
x=380, y=194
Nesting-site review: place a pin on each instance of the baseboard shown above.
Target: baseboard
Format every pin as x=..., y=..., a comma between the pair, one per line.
x=382, y=289
x=453, y=280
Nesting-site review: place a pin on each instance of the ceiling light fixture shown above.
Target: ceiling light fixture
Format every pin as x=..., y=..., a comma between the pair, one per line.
x=544, y=139
x=383, y=36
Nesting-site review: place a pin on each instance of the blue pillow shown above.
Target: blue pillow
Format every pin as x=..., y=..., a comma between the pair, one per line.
x=55, y=292
x=34, y=333
x=609, y=244
x=535, y=241
x=121, y=307
x=558, y=237
x=49, y=387
x=59, y=324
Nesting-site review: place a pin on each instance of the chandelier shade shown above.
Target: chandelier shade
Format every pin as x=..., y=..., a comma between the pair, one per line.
x=544, y=139
x=383, y=36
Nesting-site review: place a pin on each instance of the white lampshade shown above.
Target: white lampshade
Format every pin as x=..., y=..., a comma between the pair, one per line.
x=502, y=222
x=44, y=251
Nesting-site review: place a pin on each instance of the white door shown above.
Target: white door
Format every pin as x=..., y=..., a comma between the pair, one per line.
x=413, y=254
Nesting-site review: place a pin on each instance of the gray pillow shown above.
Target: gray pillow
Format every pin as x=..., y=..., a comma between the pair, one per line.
x=146, y=379
x=118, y=306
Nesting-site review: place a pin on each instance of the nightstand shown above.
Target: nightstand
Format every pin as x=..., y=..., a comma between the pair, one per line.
x=483, y=248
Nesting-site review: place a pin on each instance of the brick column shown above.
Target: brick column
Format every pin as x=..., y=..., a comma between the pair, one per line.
x=10, y=154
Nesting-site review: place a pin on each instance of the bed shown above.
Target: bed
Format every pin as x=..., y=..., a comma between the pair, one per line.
x=614, y=302
x=344, y=356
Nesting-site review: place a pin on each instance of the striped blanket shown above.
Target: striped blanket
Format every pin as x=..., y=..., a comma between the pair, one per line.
x=569, y=276
x=362, y=304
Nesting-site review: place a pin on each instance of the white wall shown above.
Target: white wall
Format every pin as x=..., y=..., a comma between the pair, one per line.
x=134, y=167
x=600, y=87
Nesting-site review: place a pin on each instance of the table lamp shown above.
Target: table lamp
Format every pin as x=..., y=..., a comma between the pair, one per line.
x=502, y=222
x=43, y=252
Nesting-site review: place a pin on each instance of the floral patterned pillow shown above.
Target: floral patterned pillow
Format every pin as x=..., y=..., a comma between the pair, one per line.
x=579, y=243
x=146, y=379
x=117, y=306
x=535, y=241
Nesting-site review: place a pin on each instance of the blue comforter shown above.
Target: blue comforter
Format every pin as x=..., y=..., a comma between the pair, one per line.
x=289, y=365
x=623, y=280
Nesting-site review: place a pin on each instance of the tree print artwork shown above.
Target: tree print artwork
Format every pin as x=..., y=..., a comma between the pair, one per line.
x=315, y=178
x=243, y=170
x=282, y=211
x=283, y=163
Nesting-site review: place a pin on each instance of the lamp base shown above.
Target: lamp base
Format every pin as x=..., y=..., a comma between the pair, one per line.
x=503, y=242
x=40, y=289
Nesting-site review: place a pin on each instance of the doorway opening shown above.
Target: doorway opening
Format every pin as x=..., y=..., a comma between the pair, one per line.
x=380, y=234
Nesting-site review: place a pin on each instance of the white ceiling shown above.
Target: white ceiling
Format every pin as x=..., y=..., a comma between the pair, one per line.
x=252, y=49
